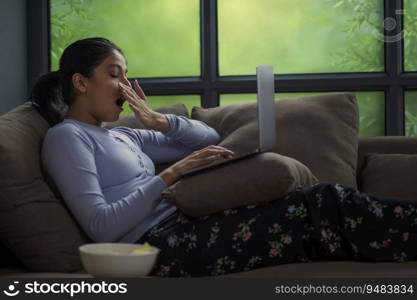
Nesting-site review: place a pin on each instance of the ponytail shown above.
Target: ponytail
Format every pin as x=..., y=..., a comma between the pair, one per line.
x=47, y=97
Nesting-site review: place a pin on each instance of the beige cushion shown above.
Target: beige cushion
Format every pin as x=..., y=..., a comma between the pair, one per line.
x=256, y=179
x=34, y=224
x=320, y=131
x=131, y=121
x=390, y=175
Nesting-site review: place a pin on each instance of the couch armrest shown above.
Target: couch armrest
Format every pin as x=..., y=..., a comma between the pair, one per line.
x=386, y=145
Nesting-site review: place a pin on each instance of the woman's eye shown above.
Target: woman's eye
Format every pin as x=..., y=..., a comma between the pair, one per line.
x=114, y=76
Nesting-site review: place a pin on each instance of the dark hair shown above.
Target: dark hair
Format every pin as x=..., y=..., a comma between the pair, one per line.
x=53, y=92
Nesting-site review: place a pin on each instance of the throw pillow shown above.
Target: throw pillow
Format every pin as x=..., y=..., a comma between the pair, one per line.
x=261, y=178
x=320, y=131
x=390, y=175
x=34, y=224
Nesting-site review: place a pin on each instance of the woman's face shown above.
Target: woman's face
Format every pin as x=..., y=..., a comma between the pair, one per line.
x=103, y=92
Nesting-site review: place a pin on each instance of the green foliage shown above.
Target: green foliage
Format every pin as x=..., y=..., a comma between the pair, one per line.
x=365, y=22
x=411, y=113
x=411, y=124
x=64, y=14
x=362, y=29
x=410, y=32
x=410, y=64
x=159, y=38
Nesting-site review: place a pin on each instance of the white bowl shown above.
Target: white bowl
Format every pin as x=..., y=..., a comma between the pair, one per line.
x=116, y=259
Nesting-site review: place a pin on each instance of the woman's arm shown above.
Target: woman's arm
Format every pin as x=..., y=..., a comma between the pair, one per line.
x=169, y=137
x=68, y=157
x=173, y=142
x=184, y=137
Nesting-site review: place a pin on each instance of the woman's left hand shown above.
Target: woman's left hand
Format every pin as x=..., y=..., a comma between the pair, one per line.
x=139, y=105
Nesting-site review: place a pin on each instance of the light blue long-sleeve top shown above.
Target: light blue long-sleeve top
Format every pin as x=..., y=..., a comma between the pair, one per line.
x=107, y=177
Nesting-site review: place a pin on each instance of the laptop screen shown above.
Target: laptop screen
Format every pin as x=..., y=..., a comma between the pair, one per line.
x=266, y=107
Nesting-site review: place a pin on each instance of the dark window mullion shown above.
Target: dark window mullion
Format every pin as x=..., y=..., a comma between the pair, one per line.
x=38, y=40
x=171, y=86
x=209, y=55
x=394, y=104
x=307, y=82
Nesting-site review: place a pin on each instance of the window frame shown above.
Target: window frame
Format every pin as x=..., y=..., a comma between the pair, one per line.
x=393, y=82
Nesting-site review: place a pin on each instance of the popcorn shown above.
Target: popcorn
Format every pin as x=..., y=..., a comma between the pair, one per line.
x=146, y=248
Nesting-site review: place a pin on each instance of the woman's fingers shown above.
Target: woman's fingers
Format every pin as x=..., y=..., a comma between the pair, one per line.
x=214, y=148
x=139, y=91
x=130, y=95
x=134, y=107
x=222, y=148
x=127, y=89
x=212, y=151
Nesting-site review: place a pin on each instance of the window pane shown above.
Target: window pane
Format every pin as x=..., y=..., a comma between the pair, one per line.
x=371, y=108
x=410, y=28
x=156, y=101
x=159, y=38
x=411, y=113
x=300, y=36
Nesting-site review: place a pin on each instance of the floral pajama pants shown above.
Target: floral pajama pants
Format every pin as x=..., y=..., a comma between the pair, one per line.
x=322, y=222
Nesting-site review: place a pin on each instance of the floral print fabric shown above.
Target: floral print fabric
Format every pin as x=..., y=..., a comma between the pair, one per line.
x=322, y=222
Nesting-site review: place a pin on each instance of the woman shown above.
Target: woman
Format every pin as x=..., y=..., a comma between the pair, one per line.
x=107, y=179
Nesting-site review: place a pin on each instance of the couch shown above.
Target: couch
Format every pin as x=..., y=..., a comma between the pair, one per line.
x=39, y=238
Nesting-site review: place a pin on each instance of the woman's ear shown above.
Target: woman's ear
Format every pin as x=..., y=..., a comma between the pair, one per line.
x=79, y=82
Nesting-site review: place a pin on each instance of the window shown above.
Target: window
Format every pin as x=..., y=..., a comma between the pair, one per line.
x=159, y=38
x=410, y=40
x=208, y=49
x=299, y=36
x=411, y=113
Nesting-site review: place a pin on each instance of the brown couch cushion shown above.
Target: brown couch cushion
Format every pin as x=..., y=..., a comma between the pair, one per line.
x=320, y=131
x=390, y=175
x=261, y=178
x=178, y=109
x=34, y=224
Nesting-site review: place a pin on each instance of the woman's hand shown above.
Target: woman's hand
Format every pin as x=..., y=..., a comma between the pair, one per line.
x=139, y=105
x=197, y=158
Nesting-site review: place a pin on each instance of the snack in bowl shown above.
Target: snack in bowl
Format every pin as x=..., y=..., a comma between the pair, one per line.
x=118, y=259
x=146, y=248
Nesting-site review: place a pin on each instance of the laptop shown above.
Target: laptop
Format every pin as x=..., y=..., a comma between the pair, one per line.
x=266, y=120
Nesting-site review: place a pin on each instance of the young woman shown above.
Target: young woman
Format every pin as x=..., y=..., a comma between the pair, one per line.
x=107, y=180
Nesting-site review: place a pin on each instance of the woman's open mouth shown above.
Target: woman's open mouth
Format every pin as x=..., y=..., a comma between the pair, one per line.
x=119, y=102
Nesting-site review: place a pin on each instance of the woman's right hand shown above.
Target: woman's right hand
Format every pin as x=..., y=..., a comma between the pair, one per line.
x=196, y=159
